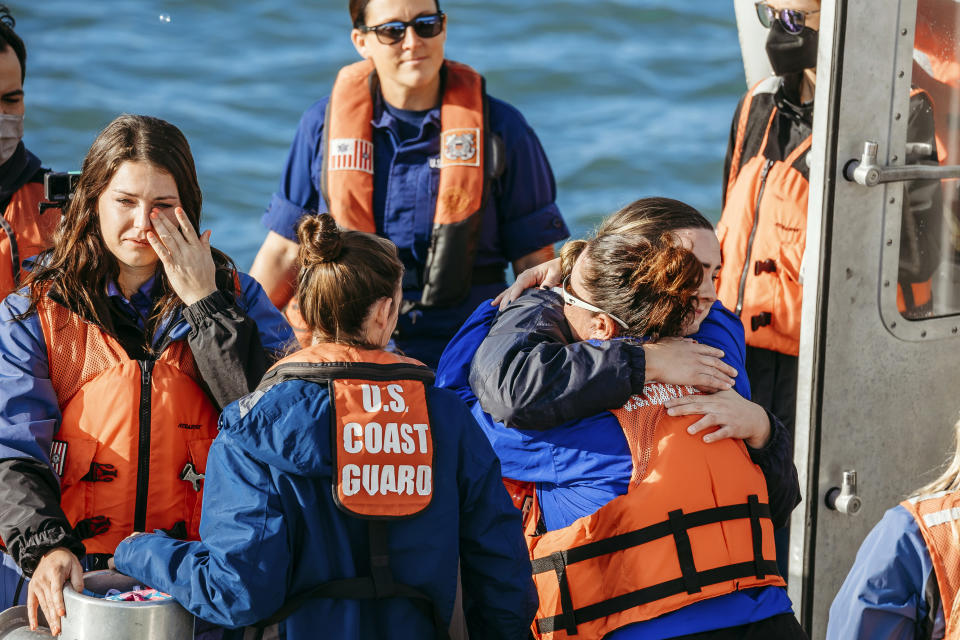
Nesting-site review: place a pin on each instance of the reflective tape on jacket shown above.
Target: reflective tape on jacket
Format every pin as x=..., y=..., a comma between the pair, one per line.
x=128, y=431
x=381, y=429
x=694, y=524
x=763, y=228
x=938, y=518
x=31, y=233
x=347, y=171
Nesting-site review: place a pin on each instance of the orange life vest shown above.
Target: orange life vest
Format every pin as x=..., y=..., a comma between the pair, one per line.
x=938, y=517
x=25, y=233
x=347, y=171
x=129, y=431
x=763, y=232
x=694, y=524
x=382, y=450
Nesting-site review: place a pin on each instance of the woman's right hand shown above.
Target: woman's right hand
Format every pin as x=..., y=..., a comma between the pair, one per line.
x=546, y=274
x=46, y=586
x=682, y=361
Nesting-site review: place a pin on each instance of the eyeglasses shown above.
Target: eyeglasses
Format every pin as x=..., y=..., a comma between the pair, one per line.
x=792, y=20
x=574, y=301
x=393, y=32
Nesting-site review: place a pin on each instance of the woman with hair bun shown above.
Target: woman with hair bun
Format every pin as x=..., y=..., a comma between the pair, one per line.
x=663, y=515
x=130, y=334
x=343, y=493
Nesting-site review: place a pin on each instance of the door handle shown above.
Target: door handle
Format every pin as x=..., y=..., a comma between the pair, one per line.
x=844, y=498
x=867, y=172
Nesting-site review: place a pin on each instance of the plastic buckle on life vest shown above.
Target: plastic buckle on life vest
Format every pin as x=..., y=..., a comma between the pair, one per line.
x=764, y=266
x=100, y=473
x=90, y=527
x=762, y=319
x=189, y=474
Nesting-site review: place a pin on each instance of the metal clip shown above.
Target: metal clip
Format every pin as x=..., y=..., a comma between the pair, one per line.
x=189, y=474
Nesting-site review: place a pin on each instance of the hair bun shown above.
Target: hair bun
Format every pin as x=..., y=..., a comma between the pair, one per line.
x=320, y=240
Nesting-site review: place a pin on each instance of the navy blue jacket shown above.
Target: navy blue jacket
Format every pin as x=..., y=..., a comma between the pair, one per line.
x=270, y=530
x=519, y=217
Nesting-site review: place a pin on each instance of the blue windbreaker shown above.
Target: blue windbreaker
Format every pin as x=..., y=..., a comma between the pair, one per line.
x=891, y=591
x=270, y=530
x=581, y=465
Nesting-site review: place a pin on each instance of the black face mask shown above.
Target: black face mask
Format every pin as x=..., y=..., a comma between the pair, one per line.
x=791, y=53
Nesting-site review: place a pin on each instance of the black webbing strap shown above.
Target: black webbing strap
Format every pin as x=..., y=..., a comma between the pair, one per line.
x=383, y=584
x=756, y=533
x=569, y=623
x=647, y=534
x=650, y=594
x=684, y=552
x=691, y=580
x=14, y=249
x=379, y=584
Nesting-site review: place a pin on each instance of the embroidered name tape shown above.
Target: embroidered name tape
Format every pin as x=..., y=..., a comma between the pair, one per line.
x=351, y=153
x=383, y=447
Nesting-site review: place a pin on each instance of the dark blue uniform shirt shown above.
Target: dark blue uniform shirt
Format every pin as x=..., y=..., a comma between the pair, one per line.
x=520, y=215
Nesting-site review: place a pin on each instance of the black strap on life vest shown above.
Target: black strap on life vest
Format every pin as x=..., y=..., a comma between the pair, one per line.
x=691, y=580
x=379, y=584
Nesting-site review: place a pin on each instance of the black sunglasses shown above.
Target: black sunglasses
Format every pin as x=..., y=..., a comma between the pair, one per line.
x=792, y=20
x=392, y=32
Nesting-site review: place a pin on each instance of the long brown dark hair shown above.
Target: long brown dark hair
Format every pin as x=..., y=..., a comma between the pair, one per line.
x=79, y=267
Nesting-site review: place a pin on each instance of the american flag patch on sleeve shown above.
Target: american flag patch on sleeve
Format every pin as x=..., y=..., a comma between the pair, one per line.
x=351, y=153
x=58, y=455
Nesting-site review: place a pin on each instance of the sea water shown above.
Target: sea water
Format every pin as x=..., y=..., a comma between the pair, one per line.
x=630, y=98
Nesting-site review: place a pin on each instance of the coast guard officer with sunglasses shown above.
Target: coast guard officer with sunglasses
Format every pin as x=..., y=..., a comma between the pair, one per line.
x=409, y=145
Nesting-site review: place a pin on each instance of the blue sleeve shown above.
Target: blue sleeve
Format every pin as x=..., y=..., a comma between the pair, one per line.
x=237, y=574
x=529, y=373
x=299, y=190
x=275, y=332
x=883, y=595
x=499, y=597
x=29, y=412
x=724, y=330
x=526, y=193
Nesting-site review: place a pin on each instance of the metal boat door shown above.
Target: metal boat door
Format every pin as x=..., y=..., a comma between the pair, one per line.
x=877, y=393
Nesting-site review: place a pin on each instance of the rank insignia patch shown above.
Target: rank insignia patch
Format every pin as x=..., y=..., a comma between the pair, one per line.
x=459, y=147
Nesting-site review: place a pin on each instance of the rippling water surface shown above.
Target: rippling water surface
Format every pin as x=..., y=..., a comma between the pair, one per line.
x=629, y=97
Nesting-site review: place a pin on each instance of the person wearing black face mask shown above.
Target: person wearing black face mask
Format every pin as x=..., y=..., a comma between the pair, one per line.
x=762, y=229
x=24, y=232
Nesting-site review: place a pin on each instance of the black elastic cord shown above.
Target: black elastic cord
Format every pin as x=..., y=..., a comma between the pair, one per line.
x=16, y=594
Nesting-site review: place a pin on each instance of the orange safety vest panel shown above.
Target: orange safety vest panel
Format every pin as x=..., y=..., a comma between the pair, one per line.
x=347, y=171
x=938, y=517
x=131, y=447
x=382, y=435
x=694, y=524
x=763, y=232
x=25, y=233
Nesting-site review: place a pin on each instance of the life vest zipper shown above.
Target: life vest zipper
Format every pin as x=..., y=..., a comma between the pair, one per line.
x=753, y=233
x=143, y=447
